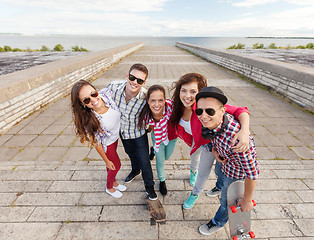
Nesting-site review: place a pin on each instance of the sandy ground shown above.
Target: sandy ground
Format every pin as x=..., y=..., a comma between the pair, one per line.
x=15, y=61
x=299, y=56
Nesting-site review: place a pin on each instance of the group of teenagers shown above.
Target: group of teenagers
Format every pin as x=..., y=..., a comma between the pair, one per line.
x=196, y=113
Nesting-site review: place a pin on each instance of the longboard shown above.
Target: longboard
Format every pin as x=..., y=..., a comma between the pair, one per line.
x=156, y=211
x=239, y=222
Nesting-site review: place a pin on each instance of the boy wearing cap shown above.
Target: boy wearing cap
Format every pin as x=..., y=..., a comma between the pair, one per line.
x=221, y=127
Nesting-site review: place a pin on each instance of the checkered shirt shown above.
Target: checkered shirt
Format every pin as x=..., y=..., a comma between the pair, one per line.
x=129, y=110
x=239, y=165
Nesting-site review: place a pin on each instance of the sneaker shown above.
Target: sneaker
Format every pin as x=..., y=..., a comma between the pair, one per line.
x=163, y=188
x=132, y=175
x=120, y=188
x=193, y=177
x=152, y=153
x=151, y=192
x=115, y=194
x=213, y=192
x=209, y=228
x=190, y=202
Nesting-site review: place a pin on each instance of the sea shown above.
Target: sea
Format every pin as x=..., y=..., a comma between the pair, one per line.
x=15, y=61
x=96, y=43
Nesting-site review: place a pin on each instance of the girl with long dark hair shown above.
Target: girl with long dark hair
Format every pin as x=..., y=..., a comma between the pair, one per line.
x=97, y=121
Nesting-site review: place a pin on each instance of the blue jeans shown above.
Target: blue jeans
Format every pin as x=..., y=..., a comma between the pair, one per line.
x=164, y=153
x=221, y=216
x=138, y=152
x=220, y=175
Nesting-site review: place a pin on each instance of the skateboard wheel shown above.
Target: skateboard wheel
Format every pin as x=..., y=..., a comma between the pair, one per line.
x=254, y=203
x=234, y=238
x=252, y=235
x=233, y=209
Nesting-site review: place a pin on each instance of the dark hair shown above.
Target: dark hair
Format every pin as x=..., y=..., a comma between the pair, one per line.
x=146, y=113
x=86, y=123
x=140, y=67
x=177, y=104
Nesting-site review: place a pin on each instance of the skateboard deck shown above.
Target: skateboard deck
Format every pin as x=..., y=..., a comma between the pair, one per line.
x=239, y=222
x=156, y=211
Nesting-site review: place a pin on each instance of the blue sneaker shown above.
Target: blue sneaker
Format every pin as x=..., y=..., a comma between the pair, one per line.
x=190, y=202
x=193, y=177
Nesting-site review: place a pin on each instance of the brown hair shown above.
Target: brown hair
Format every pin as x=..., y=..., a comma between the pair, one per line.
x=85, y=121
x=177, y=104
x=146, y=113
x=140, y=67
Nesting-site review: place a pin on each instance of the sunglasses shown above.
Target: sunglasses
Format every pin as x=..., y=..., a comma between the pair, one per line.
x=93, y=94
x=139, y=81
x=209, y=111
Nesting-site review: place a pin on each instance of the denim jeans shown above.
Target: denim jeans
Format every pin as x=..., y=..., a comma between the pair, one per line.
x=220, y=175
x=138, y=152
x=221, y=216
x=164, y=153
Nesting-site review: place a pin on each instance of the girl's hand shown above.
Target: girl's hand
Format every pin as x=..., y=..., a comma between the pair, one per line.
x=110, y=165
x=243, y=141
x=218, y=158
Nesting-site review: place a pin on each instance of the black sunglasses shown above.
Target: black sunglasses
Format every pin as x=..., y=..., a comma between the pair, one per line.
x=139, y=81
x=93, y=94
x=209, y=111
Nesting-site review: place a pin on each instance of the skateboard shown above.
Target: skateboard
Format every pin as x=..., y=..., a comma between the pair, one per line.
x=239, y=222
x=156, y=211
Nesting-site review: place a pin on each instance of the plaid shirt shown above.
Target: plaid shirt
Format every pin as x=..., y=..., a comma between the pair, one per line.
x=129, y=110
x=239, y=165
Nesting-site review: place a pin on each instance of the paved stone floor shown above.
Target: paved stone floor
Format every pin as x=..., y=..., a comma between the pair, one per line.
x=52, y=187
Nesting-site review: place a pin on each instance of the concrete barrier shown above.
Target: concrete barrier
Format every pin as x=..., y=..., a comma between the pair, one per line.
x=294, y=81
x=25, y=91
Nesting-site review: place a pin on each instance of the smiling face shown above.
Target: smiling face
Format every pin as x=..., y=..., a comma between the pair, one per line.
x=187, y=94
x=95, y=103
x=133, y=87
x=156, y=102
x=210, y=122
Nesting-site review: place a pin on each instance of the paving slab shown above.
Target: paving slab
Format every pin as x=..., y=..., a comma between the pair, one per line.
x=53, y=187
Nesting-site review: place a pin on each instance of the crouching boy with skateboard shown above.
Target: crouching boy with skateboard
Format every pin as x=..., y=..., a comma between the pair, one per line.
x=221, y=127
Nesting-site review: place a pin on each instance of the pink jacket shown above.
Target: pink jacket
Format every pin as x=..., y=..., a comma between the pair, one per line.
x=196, y=127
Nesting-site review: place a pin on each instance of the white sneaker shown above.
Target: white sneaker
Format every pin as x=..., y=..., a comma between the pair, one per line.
x=115, y=194
x=120, y=188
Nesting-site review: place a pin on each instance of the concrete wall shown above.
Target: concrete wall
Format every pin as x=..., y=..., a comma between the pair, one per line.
x=291, y=80
x=25, y=91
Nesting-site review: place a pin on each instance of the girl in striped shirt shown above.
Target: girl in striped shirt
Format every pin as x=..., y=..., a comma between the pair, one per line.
x=155, y=115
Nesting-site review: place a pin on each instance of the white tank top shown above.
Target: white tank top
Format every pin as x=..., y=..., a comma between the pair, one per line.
x=111, y=122
x=186, y=125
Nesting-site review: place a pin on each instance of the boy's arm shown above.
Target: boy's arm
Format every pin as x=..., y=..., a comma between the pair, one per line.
x=243, y=135
x=249, y=187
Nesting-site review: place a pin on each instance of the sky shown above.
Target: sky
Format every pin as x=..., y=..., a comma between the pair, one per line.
x=195, y=18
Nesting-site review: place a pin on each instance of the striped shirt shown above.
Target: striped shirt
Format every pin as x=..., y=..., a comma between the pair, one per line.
x=129, y=110
x=161, y=127
x=239, y=165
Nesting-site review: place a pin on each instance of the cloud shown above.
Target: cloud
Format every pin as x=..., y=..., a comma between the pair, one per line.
x=251, y=3
x=140, y=17
x=92, y=5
